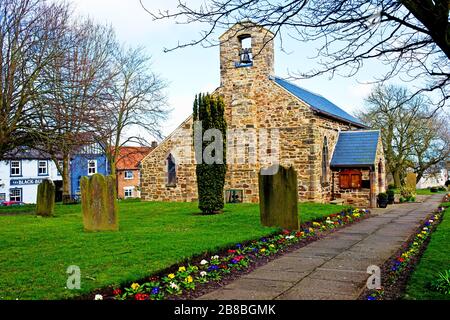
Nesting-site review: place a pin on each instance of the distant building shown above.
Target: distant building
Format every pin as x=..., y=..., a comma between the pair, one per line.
x=87, y=161
x=437, y=177
x=128, y=171
x=22, y=170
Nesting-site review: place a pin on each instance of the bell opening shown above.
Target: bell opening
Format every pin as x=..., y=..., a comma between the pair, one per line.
x=245, y=52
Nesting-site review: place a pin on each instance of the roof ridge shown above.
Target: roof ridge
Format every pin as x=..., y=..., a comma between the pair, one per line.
x=317, y=102
x=303, y=88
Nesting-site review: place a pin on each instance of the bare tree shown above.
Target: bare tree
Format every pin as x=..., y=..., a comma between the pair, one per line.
x=76, y=92
x=137, y=102
x=411, y=137
x=411, y=36
x=431, y=144
x=29, y=30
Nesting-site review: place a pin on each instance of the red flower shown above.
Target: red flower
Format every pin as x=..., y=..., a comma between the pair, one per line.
x=141, y=296
x=223, y=266
x=117, y=292
x=231, y=251
x=401, y=259
x=239, y=258
x=286, y=232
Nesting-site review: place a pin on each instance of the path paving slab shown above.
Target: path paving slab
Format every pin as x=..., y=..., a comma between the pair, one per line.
x=335, y=267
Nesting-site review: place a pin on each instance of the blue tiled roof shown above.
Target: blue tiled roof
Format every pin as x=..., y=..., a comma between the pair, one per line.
x=355, y=148
x=317, y=102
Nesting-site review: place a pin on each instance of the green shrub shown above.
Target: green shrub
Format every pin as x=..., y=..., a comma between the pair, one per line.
x=442, y=188
x=433, y=189
x=210, y=177
x=402, y=199
x=391, y=186
x=442, y=283
x=382, y=196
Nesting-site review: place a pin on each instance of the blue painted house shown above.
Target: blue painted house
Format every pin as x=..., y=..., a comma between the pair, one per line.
x=87, y=161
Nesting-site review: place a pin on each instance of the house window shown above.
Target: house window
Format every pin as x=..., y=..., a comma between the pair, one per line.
x=325, y=161
x=171, y=171
x=350, y=179
x=16, y=168
x=92, y=167
x=128, y=192
x=42, y=168
x=128, y=174
x=15, y=195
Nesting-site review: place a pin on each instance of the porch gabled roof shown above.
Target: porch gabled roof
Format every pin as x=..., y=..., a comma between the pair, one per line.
x=355, y=149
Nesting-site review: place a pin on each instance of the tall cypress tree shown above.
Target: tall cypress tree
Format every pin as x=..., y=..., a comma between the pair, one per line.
x=210, y=110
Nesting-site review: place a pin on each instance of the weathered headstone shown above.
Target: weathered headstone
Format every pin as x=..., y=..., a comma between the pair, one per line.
x=411, y=181
x=45, y=199
x=278, y=199
x=99, y=203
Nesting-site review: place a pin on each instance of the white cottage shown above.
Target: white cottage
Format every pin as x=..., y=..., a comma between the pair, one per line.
x=22, y=170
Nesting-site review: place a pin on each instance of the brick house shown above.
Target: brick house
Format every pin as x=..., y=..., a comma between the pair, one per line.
x=128, y=171
x=309, y=128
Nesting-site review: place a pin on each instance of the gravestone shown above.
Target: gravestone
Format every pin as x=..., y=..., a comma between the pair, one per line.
x=99, y=203
x=278, y=199
x=45, y=199
x=411, y=181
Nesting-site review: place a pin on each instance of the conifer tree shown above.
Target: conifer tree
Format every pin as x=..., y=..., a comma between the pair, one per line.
x=210, y=177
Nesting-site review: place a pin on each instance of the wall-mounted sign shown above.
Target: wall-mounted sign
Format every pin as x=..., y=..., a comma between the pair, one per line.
x=21, y=182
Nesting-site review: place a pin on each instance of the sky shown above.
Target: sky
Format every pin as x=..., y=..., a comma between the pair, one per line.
x=196, y=69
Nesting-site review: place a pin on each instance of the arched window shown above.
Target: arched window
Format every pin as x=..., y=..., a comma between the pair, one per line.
x=325, y=160
x=171, y=171
x=380, y=177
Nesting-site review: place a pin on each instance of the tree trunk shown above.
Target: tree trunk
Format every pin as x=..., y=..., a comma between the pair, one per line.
x=397, y=180
x=67, y=199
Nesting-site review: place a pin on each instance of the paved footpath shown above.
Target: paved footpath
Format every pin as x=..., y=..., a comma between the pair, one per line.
x=333, y=268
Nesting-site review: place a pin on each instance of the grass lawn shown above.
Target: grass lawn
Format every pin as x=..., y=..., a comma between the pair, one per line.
x=428, y=192
x=36, y=252
x=423, y=192
x=435, y=259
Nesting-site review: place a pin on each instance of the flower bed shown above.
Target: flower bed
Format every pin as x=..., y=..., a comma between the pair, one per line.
x=184, y=280
x=396, y=271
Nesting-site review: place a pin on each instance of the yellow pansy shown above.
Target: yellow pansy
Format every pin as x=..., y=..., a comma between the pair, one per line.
x=311, y=230
x=263, y=250
x=171, y=276
x=189, y=279
x=135, y=286
x=272, y=245
x=181, y=269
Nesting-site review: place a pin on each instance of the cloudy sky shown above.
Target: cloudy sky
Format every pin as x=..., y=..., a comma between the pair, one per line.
x=196, y=69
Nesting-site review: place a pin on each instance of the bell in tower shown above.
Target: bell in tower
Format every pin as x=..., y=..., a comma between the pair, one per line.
x=245, y=57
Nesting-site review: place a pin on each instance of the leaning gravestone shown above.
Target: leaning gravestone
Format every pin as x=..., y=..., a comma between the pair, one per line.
x=278, y=198
x=45, y=200
x=411, y=181
x=99, y=203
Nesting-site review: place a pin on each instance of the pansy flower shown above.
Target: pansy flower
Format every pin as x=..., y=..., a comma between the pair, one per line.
x=212, y=268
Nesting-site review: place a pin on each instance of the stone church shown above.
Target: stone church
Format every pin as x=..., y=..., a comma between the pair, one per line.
x=337, y=158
